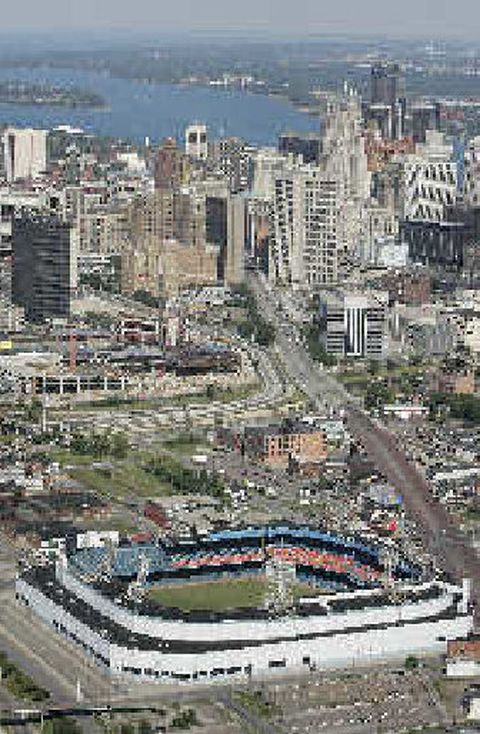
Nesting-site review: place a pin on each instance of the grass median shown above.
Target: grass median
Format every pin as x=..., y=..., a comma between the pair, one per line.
x=18, y=683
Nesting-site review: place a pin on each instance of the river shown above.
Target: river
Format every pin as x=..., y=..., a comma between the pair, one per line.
x=137, y=109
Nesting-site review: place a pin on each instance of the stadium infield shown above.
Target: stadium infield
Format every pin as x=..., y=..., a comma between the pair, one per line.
x=218, y=596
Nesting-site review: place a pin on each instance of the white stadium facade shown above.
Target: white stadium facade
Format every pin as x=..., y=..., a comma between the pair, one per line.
x=97, y=598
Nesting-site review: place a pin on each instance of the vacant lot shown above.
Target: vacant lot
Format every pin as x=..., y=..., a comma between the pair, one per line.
x=113, y=478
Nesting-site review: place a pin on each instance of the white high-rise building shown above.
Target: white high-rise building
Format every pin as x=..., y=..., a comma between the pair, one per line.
x=430, y=179
x=196, y=141
x=344, y=159
x=25, y=153
x=471, y=184
x=305, y=243
x=269, y=165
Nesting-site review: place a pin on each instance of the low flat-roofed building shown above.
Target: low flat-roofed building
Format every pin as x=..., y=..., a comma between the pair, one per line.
x=463, y=658
x=406, y=411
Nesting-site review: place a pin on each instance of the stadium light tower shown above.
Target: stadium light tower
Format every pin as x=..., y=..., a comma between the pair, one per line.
x=281, y=575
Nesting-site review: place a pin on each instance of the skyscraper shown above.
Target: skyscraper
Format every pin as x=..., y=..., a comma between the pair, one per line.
x=388, y=100
x=430, y=179
x=196, y=141
x=424, y=116
x=234, y=160
x=170, y=166
x=387, y=84
x=343, y=159
x=25, y=153
x=44, y=266
x=306, y=239
x=225, y=228
x=307, y=146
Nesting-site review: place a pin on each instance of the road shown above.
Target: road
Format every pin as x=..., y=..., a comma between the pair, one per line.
x=449, y=546
x=143, y=424
x=444, y=540
x=47, y=657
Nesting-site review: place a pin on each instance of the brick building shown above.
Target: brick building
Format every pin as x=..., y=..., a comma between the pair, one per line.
x=411, y=287
x=279, y=446
x=456, y=383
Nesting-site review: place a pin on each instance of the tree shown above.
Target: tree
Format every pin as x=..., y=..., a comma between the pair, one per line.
x=378, y=395
x=100, y=444
x=184, y=720
x=62, y=726
x=265, y=333
x=411, y=662
x=245, y=329
x=210, y=392
x=145, y=297
x=315, y=348
x=119, y=445
x=33, y=411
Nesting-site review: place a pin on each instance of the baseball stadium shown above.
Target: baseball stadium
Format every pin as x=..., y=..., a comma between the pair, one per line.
x=245, y=603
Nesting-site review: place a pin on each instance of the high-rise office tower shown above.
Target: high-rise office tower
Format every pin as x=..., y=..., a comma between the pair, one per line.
x=268, y=165
x=164, y=246
x=387, y=84
x=25, y=153
x=354, y=324
x=471, y=182
x=226, y=229
x=423, y=116
x=306, y=238
x=430, y=179
x=170, y=166
x=343, y=159
x=233, y=158
x=307, y=146
x=259, y=231
x=149, y=224
x=388, y=100
x=196, y=141
x=44, y=266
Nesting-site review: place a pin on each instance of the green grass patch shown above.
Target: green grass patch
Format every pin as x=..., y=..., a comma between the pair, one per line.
x=185, y=444
x=65, y=457
x=216, y=596
x=360, y=380
x=62, y=726
x=126, y=479
x=183, y=480
x=110, y=477
x=256, y=702
x=219, y=596
x=19, y=684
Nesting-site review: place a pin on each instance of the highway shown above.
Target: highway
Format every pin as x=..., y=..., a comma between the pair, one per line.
x=447, y=544
x=39, y=650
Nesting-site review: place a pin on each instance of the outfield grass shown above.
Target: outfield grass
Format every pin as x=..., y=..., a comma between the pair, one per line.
x=215, y=595
x=218, y=596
